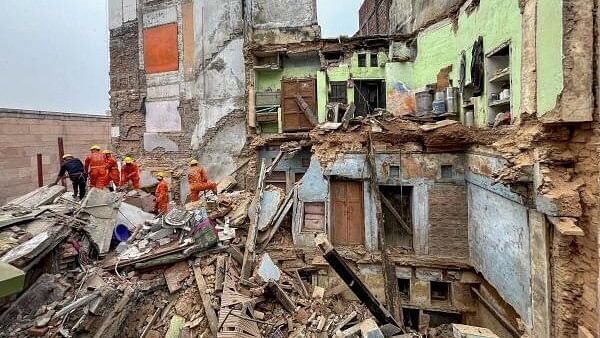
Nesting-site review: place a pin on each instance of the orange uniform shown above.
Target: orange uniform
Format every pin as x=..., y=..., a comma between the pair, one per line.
x=198, y=180
x=161, y=195
x=95, y=166
x=112, y=171
x=130, y=172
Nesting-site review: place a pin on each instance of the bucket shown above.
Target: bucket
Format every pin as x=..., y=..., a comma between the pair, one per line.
x=439, y=107
x=423, y=101
x=121, y=233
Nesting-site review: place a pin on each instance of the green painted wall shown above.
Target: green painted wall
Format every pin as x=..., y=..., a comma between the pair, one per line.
x=497, y=21
x=549, y=54
x=270, y=80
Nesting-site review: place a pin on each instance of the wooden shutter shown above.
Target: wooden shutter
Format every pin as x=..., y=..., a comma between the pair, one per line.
x=348, y=212
x=293, y=117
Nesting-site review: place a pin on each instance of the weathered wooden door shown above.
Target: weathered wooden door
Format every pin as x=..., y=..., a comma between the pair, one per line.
x=348, y=212
x=293, y=117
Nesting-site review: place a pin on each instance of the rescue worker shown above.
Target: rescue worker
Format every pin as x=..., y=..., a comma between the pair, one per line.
x=198, y=180
x=95, y=167
x=130, y=172
x=112, y=170
x=162, y=194
x=74, y=168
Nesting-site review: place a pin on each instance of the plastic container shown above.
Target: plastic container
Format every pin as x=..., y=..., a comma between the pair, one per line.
x=439, y=107
x=121, y=233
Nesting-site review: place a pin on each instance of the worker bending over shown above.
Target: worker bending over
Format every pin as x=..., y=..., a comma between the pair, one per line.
x=198, y=181
x=130, y=172
x=95, y=167
x=162, y=194
x=74, y=168
x=112, y=170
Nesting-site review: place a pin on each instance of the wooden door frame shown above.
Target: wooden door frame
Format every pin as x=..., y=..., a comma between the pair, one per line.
x=330, y=219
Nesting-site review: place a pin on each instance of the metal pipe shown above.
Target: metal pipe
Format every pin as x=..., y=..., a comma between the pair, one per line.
x=40, y=171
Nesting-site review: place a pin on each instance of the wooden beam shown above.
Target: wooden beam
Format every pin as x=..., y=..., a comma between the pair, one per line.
x=249, y=250
x=348, y=115
x=219, y=273
x=392, y=294
x=306, y=110
x=279, y=216
x=507, y=325
x=209, y=310
x=335, y=260
x=394, y=212
x=282, y=297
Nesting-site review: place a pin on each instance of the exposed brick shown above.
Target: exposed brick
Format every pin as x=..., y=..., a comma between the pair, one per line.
x=448, y=227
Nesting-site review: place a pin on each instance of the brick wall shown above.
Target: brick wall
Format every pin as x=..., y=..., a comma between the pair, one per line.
x=448, y=227
x=24, y=134
x=373, y=17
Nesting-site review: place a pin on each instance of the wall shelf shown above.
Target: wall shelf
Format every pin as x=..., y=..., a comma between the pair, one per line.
x=498, y=103
x=501, y=77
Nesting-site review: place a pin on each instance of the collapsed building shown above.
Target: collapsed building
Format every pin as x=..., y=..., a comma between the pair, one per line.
x=480, y=211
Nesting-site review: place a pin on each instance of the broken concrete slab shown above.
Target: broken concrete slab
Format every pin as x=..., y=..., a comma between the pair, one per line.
x=271, y=198
x=23, y=253
x=175, y=275
x=102, y=208
x=12, y=280
x=40, y=196
x=227, y=183
x=132, y=216
x=267, y=270
x=10, y=218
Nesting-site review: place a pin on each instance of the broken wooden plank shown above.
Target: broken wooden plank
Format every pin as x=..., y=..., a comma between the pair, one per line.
x=335, y=260
x=151, y=322
x=209, y=310
x=282, y=297
x=78, y=303
x=236, y=254
x=274, y=163
x=301, y=282
x=310, y=115
x=249, y=250
x=395, y=213
x=219, y=273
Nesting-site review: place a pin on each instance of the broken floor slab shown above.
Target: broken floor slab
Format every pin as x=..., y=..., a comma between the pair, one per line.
x=38, y=197
x=102, y=208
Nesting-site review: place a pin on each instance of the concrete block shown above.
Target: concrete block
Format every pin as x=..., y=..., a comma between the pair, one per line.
x=154, y=140
x=129, y=10
x=163, y=116
x=164, y=91
x=267, y=270
x=160, y=17
x=115, y=13
x=11, y=280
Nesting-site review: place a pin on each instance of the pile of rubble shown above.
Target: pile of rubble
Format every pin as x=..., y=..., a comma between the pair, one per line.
x=105, y=267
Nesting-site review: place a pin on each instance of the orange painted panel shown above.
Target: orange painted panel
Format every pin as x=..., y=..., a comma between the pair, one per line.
x=160, y=49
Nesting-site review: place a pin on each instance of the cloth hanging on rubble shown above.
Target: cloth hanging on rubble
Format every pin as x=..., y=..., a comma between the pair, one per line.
x=477, y=67
x=462, y=71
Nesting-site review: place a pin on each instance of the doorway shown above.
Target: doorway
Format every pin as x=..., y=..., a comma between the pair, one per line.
x=348, y=226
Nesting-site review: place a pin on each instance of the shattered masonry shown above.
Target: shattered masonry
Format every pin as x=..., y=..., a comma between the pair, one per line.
x=455, y=197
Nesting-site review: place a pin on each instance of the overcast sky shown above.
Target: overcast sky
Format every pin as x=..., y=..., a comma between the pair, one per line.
x=54, y=53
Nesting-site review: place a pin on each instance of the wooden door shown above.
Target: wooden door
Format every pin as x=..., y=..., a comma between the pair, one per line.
x=293, y=117
x=348, y=212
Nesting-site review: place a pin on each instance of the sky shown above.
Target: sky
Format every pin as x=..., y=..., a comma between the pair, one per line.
x=338, y=17
x=54, y=53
